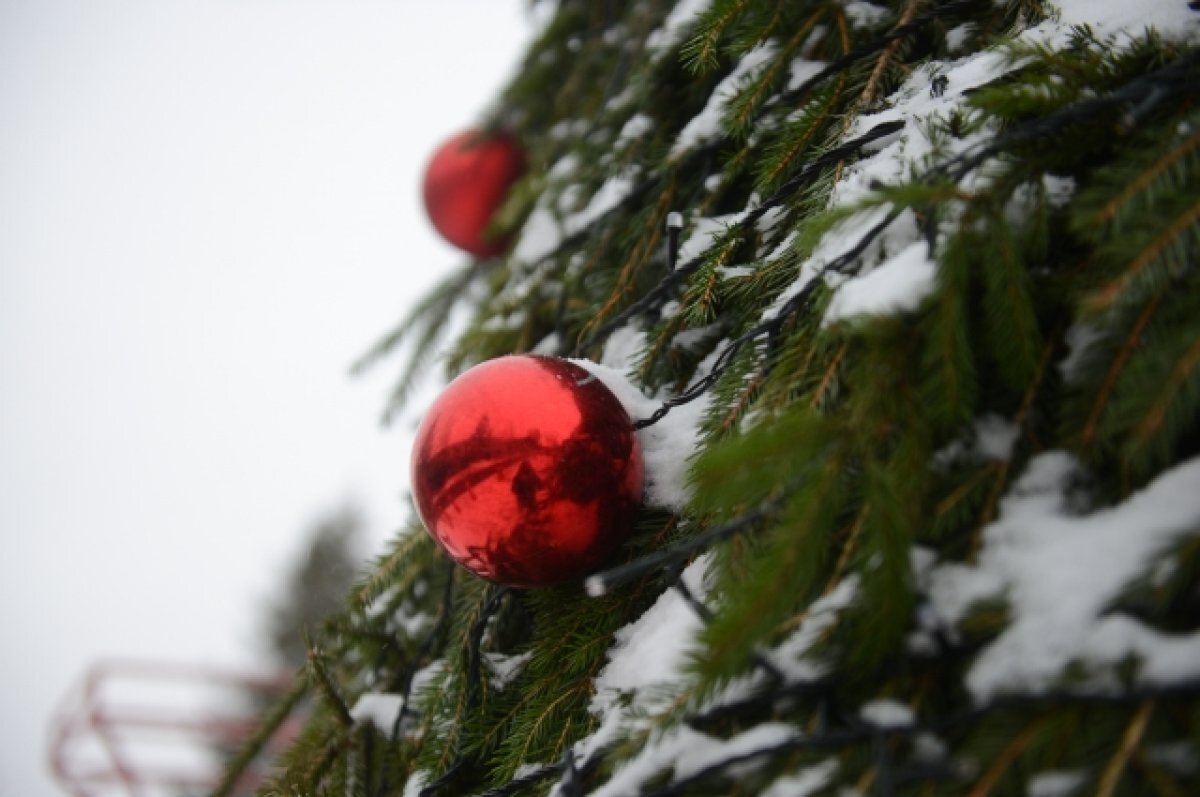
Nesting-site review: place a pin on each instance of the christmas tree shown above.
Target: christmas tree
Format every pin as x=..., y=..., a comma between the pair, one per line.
x=901, y=298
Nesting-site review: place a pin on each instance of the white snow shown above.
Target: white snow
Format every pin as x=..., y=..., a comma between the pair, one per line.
x=1179, y=758
x=1059, y=190
x=609, y=195
x=505, y=668
x=705, y=230
x=793, y=655
x=800, y=70
x=676, y=25
x=527, y=769
x=1080, y=338
x=1171, y=18
x=914, y=104
x=411, y=624
x=804, y=783
x=426, y=675
x=1059, y=571
x=544, y=230
x=638, y=125
x=667, y=445
x=622, y=348
x=378, y=708
x=652, y=651
x=647, y=661
x=1055, y=783
x=687, y=752
x=886, y=714
x=865, y=15
x=539, y=236
x=995, y=437
x=706, y=125
x=899, y=284
x=415, y=783
x=929, y=748
x=956, y=37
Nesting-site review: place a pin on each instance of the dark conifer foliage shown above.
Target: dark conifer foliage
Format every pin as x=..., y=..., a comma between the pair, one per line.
x=930, y=355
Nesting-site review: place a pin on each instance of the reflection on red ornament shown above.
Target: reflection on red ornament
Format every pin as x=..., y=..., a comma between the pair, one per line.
x=466, y=181
x=527, y=471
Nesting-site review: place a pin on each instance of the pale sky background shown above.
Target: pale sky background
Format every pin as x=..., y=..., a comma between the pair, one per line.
x=208, y=209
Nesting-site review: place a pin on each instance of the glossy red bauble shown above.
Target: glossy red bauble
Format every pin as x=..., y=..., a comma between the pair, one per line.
x=466, y=181
x=527, y=471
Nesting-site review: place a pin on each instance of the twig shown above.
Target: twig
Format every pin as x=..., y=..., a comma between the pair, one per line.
x=659, y=293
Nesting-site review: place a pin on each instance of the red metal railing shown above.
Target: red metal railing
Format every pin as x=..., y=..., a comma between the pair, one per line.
x=142, y=729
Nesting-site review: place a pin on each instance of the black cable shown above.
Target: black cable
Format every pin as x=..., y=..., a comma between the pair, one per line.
x=659, y=293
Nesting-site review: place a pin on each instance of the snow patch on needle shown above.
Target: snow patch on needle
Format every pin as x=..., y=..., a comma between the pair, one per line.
x=1060, y=572
x=379, y=709
x=652, y=650
x=667, y=445
x=898, y=284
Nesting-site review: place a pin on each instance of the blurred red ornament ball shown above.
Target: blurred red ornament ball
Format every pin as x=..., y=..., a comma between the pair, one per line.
x=466, y=181
x=527, y=471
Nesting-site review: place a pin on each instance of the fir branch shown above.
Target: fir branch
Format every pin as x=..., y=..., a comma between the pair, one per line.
x=1174, y=81
x=1007, y=758
x=445, y=780
x=474, y=656
x=848, y=549
x=425, y=649
x=1114, y=370
x=818, y=396
x=700, y=52
x=774, y=674
x=963, y=500
x=429, y=317
x=646, y=245
x=859, y=734
x=601, y=583
x=738, y=410
x=1184, y=370
x=1109, y=294
x=768, y=327
x=394, y=570
x=1002, y=469
x=764, y=699
x=873, y=436
x=915, y=26
x=325, y=759
x=515, y=786
x=745, y=105
x=1010, y=321
x=948, y=362
x=1129, y=742
x=320, y=678
x=552, y=715
x=871, y=91
x=795, y=138
x=250, y=750
x=1108, y=212
x=660, y=293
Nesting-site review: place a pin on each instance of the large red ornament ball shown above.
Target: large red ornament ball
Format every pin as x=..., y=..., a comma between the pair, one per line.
x=527, y=471
x=466, y=181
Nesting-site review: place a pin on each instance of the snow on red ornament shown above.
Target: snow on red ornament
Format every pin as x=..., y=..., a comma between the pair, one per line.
x=527, y=471
x=466, y=181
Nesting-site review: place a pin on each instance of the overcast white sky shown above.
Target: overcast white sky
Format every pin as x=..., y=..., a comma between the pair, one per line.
x=208, y=208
